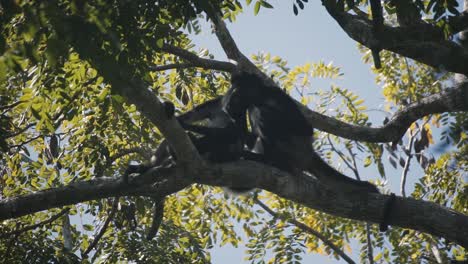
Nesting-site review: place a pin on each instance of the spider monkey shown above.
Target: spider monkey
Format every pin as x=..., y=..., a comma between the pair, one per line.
x=221, y=140
x=284, y=135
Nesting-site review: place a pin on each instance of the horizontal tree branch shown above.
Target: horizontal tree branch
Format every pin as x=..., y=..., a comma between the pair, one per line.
x=422, y=42
x=407, y=213
x=451, y=100
x=99, y=188
x=197, y=61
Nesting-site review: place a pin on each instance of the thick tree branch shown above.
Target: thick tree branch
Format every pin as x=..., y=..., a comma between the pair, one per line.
x=408, y=213
x=230, y=47
x=169, y=181
x=452, y=100
x=225, y=38
x=422, y=42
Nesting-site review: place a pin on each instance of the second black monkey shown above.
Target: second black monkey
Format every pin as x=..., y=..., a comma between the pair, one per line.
x=284, y=134
x=221, y=139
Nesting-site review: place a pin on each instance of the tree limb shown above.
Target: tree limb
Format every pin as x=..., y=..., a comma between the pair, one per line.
x=225, y=38
x=408, y=213
x=230, y=47
x=452, y=100
x=422, y=42
x=172, y=180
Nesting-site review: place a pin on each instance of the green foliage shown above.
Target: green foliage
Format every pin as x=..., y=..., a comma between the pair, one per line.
x=62, y=121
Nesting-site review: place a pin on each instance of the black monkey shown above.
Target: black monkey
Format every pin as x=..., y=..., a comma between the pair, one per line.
x=169, y=109
x=283, y=132
x=221, y=140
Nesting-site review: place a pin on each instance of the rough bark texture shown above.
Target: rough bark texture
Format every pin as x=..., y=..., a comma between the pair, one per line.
x=422, y=42
x=407, y=212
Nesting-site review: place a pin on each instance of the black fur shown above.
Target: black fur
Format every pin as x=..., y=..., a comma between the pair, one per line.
x=169, y=109
x=283, y=132
x=221, y=139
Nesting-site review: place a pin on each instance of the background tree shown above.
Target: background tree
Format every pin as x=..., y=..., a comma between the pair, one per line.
x=76, y=109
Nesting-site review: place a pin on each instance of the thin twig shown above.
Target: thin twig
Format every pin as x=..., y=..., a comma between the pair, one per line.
x=343, y=158
x=125, y=152
x=7, y=107
x=353, y=158
x=307, y=229
x=31, y=227
x=370, y=252
x=404, y=174
x=26, y=142
x=354, y=168
x=14, y=134
x=104, y=227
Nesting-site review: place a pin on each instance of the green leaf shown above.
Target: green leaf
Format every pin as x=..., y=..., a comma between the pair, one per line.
x=367, y=161
x=118, y=98
x=257, y=8
x=88, y=227
x=160, y=43
x=265, y=4
x=35, y=113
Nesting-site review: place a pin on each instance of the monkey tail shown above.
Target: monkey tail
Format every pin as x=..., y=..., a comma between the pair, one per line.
x=335, y=179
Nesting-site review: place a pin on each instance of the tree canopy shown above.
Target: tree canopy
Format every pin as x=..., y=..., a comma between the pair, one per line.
x=81, y=91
